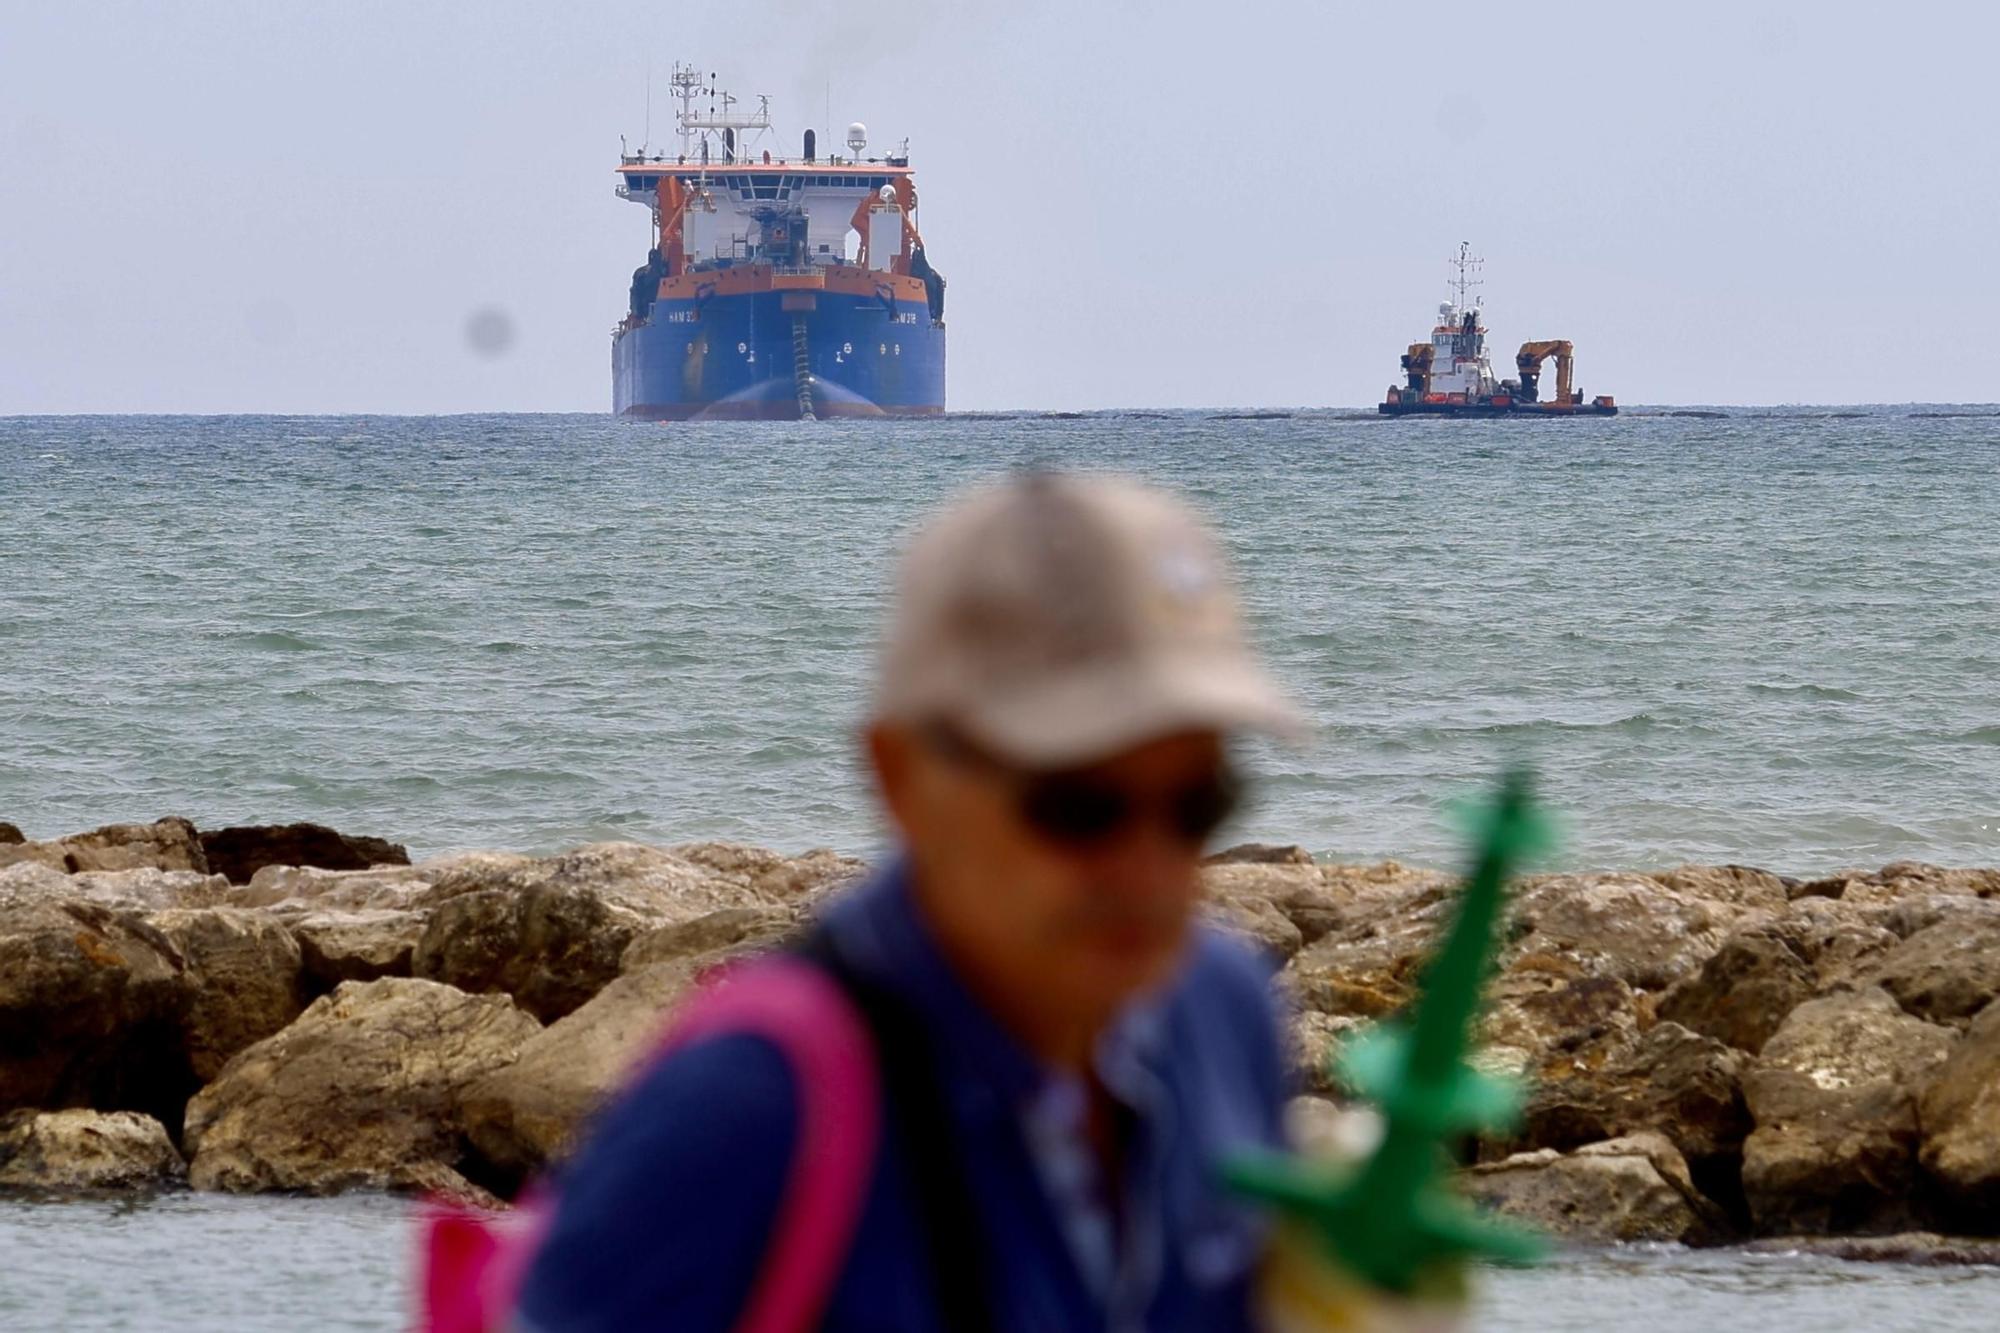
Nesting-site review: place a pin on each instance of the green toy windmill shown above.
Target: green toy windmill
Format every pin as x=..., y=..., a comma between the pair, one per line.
x=1384, y=1244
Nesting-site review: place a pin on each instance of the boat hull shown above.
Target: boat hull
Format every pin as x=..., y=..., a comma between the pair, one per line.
x=1486, y=410
x=734, y=357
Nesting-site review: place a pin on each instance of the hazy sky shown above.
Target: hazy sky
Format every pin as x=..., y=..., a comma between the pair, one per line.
x=297, y=205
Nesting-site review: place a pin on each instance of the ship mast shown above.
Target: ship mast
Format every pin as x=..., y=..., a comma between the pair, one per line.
x=1467, y=283
x=738, y=131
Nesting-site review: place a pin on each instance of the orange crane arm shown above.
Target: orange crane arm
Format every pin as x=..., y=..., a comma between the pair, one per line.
x=1529, y=362
x=1417, y=365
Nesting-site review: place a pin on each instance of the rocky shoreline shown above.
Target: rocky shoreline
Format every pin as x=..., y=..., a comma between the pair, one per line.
x=1718, y=1054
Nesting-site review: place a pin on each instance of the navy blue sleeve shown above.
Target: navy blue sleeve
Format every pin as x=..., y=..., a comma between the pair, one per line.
x=1239, y=1013
x=662, y=1218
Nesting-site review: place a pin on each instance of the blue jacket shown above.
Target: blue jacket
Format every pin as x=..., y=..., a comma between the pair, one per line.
x=663, y=1215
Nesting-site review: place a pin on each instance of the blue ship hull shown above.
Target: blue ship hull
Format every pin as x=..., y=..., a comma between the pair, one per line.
x=738, y=356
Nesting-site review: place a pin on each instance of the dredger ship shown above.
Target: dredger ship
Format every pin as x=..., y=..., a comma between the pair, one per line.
x=1451, y=376
x=776, y=287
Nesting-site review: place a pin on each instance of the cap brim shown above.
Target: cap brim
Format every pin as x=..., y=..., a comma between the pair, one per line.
x=1093, y=713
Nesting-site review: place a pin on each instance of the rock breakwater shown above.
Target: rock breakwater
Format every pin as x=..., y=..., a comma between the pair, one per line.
x=1716, y=1052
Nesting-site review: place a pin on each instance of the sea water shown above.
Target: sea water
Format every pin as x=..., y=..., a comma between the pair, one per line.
x=1768, y=638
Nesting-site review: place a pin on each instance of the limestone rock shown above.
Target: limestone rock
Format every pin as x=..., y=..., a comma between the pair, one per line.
x=240, y=852
x=1314, y=1039
x=1922, y=1248
x=361, y=945
x=1744, y=989
x=1627, y=1189
x=1679, y=1084
x=1256, y=919
x=768, y=876
x=1945, y=973
x=550, y=931
x=1960, y=1115
x=145, y=889
x=1739, y=886
x=1834, y=1100
x=1632, y=927
x=1260, y=854
x=245, y=980
x=296, y=889
x=91, y=1004
x=730, y=928
x=551, y=948
x=82, y=1150
x=166, y=844
x=25, y=853
x=362, y=1092
x=527, y=1114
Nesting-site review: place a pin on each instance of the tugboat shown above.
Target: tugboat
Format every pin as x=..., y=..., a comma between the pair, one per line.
x=1450, y=376
x=775, y=287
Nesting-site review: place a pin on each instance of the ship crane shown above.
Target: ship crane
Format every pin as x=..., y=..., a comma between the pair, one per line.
x=1529, y=362
x=1417, y=365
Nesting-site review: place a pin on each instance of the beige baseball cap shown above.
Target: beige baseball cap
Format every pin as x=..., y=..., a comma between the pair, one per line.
x=1061, y=618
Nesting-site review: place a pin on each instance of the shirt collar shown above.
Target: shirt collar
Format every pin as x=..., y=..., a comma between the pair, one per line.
x=882, y=932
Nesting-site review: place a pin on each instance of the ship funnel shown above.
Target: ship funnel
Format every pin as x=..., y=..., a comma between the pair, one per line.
x=812, y=146
x=857, y=138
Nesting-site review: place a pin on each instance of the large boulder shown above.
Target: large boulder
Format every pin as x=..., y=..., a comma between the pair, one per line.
x=240, y=852
x=526, y=1115
x=11, y=835
x=1834, y=1098
x=551, y=931
x=1946, y=972
x=244, y=976
x=1628, y=1189
x=1373, y=928
x=167, y=844
x=733, y=928
x=1960, y=1115
x=1645, y=932
x=91, y=1004
x=1679, y=1084
x=362, y=1092
x=359, y=945
x=299, y=889
x=1901, y=881
x=145, y=889
x=551, y=947
x=82, y=1150
x=1744, y=990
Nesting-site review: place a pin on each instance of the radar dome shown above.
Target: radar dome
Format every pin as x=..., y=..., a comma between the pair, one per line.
x=857, y=137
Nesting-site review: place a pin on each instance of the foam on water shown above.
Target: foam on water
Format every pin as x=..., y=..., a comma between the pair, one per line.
x=1766, y=639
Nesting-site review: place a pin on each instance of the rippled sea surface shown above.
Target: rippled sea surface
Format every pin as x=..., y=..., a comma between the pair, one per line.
x=1767, y=639
x=203, y=1263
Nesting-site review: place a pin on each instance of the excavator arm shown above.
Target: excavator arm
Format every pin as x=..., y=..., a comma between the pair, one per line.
x=1529, y=362
x=1417, y=365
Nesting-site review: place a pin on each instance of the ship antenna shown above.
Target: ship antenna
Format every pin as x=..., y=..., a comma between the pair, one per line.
x=1463, y=285
x=647, y=141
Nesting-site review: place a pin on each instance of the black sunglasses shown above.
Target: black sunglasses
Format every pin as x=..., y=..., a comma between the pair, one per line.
x=1081, y=809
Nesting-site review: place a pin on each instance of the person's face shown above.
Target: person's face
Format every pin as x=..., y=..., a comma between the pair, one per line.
x=1067, y=891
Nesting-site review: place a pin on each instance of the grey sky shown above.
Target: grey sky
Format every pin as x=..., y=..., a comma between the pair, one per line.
x=297, y=205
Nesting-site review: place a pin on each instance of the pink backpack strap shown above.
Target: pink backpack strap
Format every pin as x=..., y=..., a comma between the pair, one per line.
x=804, y=1013
x=474, y=1264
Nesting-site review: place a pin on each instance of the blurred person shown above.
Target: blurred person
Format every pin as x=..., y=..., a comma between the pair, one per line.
x=1065, y=1055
